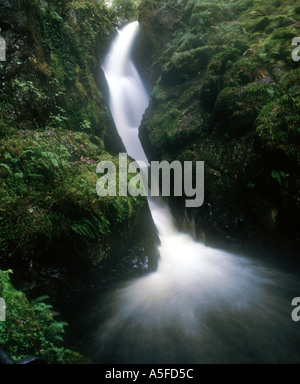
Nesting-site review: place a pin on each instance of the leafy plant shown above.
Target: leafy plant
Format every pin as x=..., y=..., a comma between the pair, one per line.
x=279, y=176
x=94, y=229
x=31, y=329
x=126, y=9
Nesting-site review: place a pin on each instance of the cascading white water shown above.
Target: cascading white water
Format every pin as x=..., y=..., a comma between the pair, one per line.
x=128, y=97
x=202, y=304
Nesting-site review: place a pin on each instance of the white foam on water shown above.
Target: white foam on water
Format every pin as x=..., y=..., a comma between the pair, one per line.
x=202, y=304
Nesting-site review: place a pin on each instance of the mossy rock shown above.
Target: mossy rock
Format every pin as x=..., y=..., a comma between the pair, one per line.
x=51, y=178
x=209, y=90
x=243, y=71
x=242, y=104
x=32, y=328
x=239, y=107
x=192, y=61
x=262, y=24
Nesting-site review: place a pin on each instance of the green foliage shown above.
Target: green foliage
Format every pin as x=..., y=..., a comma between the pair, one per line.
x=279, y=176
x=54, y=127
x=31, y=329
x=54, y=123
x=126, y=10
x=49, y=181
x=57, y=87
x=228, y=94
x=92, y=229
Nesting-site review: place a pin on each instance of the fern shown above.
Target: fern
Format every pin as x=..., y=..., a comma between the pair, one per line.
x=6, y=167
x=25, y=153
x=46, y=314
x=84, y=229
x=92, y=229
x=279, y=176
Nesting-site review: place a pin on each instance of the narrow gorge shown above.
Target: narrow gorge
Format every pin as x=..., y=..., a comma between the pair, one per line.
x=141, y=279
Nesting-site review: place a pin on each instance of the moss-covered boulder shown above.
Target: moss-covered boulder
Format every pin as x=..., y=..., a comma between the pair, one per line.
x=226, y=92
x=50, y=205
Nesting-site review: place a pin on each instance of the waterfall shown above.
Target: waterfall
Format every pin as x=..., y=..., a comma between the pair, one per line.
x=128, y=97
x=202, y=305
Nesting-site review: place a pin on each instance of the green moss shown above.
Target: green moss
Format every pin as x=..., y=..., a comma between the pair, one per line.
x=31, y=329
x=53, y=124
x=192, y=61
x=60, y=71
x=126, y=10
x=209, y=90
x=262, y=24
x=228, y=80
x=49, y=194
x=243, y=71
x=277, y=126
x=238, y=108
x=158, y=94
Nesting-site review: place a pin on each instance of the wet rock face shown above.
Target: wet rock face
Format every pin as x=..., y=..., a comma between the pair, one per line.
x=53, y=113
x=12, y=16
x=6, y=9
x=217, y=99
x=159, y=24
x=157, y=28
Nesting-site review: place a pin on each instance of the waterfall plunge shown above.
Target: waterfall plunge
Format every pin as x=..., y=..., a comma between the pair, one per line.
x=128, y=97
x=202, y=305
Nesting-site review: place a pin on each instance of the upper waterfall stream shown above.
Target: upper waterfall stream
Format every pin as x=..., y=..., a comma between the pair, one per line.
x=202, y=305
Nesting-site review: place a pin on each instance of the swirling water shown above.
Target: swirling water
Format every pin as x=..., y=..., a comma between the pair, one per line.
x=201, y=305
